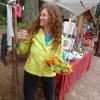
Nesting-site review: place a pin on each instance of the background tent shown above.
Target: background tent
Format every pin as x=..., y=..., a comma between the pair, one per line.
x=75, y=6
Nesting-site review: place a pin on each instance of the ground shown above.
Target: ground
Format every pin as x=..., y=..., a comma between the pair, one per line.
x=86, y=88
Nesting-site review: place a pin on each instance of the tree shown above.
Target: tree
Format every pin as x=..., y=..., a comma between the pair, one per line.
x=98, y=42
x=31, y=10
x=97, y=53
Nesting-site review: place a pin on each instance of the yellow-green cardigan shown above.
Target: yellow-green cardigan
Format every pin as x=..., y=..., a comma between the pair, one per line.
x=39, y=52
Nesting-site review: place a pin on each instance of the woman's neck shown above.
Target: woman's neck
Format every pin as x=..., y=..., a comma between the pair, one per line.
x=46, y=30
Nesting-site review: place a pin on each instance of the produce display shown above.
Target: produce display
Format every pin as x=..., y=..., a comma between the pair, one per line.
x=75, y=45
x=56, y=65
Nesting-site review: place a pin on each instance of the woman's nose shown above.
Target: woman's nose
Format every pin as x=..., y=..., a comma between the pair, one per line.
x=41, y=17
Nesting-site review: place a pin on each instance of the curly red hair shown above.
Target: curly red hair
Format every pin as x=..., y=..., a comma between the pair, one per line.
x=55, y=23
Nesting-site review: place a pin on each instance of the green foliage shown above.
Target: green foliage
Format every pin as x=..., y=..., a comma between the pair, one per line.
x=22, y=2
x=3, y=12
x=98, y=11
x=22, y=25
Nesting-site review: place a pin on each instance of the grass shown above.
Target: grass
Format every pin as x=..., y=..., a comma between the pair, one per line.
x=3, y=28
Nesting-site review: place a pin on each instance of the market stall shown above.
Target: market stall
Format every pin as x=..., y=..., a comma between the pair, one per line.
x=77, y=51
x=65, y=82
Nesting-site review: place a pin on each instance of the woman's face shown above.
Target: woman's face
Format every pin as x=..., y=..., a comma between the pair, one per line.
x=44, y=18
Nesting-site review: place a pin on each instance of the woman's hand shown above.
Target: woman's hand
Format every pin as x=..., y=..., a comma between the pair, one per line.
x=22, y=35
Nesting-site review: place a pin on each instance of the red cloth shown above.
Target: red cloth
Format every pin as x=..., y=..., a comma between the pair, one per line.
x=87, y=35
x=65, y=82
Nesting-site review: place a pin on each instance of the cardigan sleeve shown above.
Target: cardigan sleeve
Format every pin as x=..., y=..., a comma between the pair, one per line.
x=24, y=46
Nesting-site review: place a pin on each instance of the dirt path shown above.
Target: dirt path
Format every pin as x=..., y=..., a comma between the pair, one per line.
x=88, y=87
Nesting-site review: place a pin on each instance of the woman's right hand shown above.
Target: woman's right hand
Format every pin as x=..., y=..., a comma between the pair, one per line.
x=22, y=35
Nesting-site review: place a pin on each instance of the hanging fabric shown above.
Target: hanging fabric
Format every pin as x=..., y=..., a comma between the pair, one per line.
x=10, y=31
x=18, y=10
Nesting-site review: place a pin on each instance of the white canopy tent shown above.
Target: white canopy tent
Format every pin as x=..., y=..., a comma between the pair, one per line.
x=75, y=6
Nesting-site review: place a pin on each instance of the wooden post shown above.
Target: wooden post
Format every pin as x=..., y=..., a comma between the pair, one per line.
x=80, y=23
x=15, y=77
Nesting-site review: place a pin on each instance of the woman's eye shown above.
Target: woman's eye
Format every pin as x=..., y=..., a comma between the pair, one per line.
x=43, y=15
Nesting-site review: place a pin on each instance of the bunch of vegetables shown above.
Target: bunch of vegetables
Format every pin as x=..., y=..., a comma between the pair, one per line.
x=56, y=65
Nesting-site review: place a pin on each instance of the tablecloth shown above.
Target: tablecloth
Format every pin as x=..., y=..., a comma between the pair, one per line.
x=65, y=82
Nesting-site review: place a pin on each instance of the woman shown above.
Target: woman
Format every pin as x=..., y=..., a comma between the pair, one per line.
x=43, y=39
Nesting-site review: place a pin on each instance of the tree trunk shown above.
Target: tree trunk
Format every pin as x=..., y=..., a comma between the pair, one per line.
x=98, y=42
x=31, y=10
